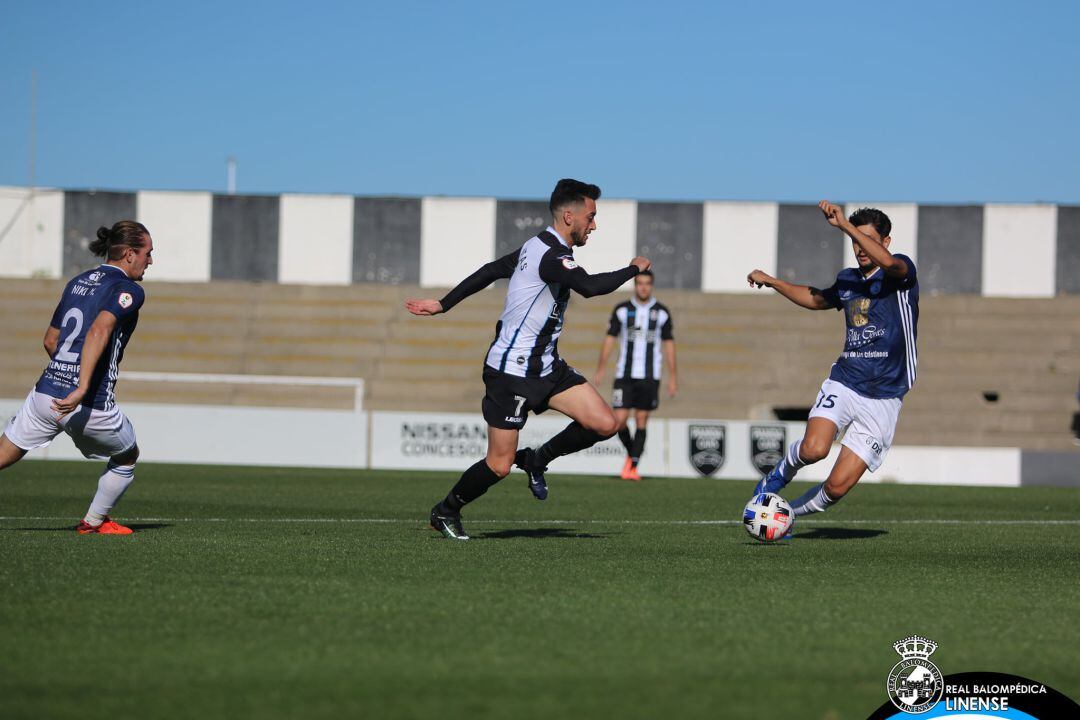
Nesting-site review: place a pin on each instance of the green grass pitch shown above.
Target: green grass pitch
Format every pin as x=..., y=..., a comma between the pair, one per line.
x=281, y=593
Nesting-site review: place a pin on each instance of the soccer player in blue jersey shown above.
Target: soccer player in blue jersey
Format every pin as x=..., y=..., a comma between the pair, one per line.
x=90, y=328
x=863, y=393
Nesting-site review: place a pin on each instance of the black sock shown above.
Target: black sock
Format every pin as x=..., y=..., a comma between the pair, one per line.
x=474, y=482
x=627, y=439
x=639, y=446
x=573, y=438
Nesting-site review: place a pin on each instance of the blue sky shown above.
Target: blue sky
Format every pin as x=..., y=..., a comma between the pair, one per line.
x=948, y=101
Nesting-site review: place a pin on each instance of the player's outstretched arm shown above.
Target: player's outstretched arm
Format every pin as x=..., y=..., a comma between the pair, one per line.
x=802, y=295
x=558, y=268
x=880, y=254
x=487, y=274
x=97, y=337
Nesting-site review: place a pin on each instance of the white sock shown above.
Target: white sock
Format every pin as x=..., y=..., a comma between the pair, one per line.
x=111, y=488
x=791, y=463
x=814, y=500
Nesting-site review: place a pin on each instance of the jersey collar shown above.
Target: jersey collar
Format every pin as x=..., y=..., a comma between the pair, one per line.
x=555, y=232
x=107, y=266
x=645, y=306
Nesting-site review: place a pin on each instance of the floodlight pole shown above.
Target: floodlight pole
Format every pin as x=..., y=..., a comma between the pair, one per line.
x=230, y=166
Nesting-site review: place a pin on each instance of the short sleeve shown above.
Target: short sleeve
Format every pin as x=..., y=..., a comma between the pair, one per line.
x=124, y=299
x=667, y=332
x=615, y=325
x=56, y=317
x=832, y=295
x=912, y=276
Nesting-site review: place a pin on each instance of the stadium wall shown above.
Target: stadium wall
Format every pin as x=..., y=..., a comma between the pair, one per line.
x=992, y=250
x=355, y=439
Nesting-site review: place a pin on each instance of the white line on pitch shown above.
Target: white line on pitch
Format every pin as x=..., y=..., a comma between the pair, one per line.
x=542, y=521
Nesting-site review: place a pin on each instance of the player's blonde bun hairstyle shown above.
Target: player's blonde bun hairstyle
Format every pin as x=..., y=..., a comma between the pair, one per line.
x=114, y=242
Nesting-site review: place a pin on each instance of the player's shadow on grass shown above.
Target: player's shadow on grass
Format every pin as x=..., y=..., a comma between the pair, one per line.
x=540, y=534
x=137, y=527
x=838, y=533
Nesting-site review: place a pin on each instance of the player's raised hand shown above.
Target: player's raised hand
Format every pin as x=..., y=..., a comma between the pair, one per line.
x=833, y=213
x=759, y=278
x=423, y=307
x=642, y=263
x=66, y=405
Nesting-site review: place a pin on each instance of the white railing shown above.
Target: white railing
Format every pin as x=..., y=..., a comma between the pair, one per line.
x=357, y=384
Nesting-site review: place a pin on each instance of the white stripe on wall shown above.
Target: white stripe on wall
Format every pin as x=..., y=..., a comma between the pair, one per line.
x=315, y=239
x=1019, y=250
x=179, y=223
x=614, y=242
x=457, y=236
x=737, y=238
x=905, y=229
x=33, y=244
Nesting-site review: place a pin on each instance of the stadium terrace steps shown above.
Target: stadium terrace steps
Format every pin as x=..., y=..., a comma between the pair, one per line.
x=739, y=355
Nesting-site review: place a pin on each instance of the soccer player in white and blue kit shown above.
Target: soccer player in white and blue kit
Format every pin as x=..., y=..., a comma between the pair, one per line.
x=864, y=390
x=90, y=329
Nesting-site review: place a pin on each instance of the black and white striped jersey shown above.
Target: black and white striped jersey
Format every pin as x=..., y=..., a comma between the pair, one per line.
x=641, y=329
x=542, y=273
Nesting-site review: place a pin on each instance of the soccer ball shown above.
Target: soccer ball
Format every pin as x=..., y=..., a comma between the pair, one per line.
x=767, y=517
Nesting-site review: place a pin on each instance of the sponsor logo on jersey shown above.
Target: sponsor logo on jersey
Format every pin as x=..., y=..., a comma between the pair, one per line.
x=707, y=447
x=568, y=263
x=95, y=276
x=767, y=443
x=125, y=300
x=859, y=312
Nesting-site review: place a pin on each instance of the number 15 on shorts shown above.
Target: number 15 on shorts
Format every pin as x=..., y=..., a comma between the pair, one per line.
x=826, y=401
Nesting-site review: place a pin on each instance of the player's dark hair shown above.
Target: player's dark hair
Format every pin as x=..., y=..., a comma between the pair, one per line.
x=872, y=216
x=569, y=191
x=646, y=273
x=113, y=242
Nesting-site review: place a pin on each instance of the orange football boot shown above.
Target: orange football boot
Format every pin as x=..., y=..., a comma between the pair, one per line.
x=108, y=527
x=626, y=468
x=634, y=475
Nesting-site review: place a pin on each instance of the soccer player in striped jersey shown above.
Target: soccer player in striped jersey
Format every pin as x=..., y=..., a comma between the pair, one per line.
x=864, y=390
x=90, y=329
x=523, y=371
x=642, y=327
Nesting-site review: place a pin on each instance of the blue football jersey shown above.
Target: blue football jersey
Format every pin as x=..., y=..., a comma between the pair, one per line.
x=882, y=314
x=105, y=288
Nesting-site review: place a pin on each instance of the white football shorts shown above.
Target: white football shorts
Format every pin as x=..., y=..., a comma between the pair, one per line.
x=98, y=434
x=868, y=424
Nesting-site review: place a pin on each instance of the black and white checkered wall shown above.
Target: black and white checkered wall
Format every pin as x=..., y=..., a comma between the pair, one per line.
x=994, y=250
